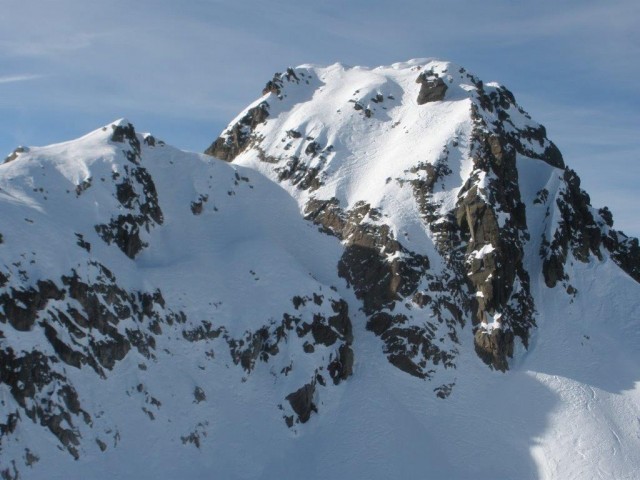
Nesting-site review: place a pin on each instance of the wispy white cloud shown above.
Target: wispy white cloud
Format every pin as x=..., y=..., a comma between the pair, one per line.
x=19, y=78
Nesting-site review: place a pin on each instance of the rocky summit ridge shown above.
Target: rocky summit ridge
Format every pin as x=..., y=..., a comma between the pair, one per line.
x=378, y=257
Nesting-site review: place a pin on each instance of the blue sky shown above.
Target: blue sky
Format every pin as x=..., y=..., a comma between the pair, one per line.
x=182, y=70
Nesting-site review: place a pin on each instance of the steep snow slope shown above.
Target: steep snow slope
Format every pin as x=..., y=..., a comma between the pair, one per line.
x=397, y=276
x=204, y=273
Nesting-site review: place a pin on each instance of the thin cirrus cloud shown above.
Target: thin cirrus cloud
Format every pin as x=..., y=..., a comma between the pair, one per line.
x=19, y=78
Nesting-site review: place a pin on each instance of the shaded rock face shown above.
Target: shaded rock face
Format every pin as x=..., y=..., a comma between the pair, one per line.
x=492, y=220
x=378, y=282
x=583, y=232
x=15, y=154
x=305, y=328
x=496, y=281
x=432, y=88
x=92, y=323
x=382, y=283
x=240, y=135
x=624, y=250
x=318, y=330
x=497, y=108
x=576, y=232
x=27, y=375
x=302, y=402
x=136, y=192
x=235, y=140
x=97, y=324
x=498, y=276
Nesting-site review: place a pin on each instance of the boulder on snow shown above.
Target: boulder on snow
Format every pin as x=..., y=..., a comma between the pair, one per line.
x=432, y=88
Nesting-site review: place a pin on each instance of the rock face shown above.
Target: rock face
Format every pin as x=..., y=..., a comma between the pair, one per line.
x=137, y=195
x=432, y=88
x=407, y=223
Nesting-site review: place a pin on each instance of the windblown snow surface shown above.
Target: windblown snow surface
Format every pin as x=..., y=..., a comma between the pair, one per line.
x=568, y=407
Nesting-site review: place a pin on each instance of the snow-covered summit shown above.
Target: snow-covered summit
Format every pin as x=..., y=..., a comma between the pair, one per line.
x=446, y=162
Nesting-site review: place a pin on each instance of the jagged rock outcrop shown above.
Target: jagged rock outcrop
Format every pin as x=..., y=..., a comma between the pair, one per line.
x=432, y=88
x=239, y=137
x=136, y=193
x=92, y=323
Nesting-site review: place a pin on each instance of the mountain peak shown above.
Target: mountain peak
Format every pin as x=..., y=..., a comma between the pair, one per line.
x=439, y=161
x=387, y=260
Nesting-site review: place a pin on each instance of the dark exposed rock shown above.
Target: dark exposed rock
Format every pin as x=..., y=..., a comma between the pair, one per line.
x=15, y=154
x=404, y=363
x=606, y=216
x=495, y=247
x=299, y=173
x=312, y=149
x=432, y=88
x=235, y=140
x=150, y=141
x=541, y=197
x=341, y=367
x=380, y=322
x=82, y=186
x=124, y=232
x=127, y=134
x=30, y=458
x=254, y=346
x=199, y=395
x=381, y=283
x=443, y=391
x=494, y=348
x=82, y=243
x=275, y=85
x=82, y=323
x=625, y=251
x=195, y=437
x=197, y=206
x=323, y=333
x=341, y=321
x=495, y=109
x=28, y=375
x=22, y=307
x=377, y=281
x=137, y=194
x=577, y=231
x=301, y=402
x=202, y=332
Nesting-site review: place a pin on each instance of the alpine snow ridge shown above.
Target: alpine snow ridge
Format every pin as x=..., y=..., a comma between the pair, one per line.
x=366, y=264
